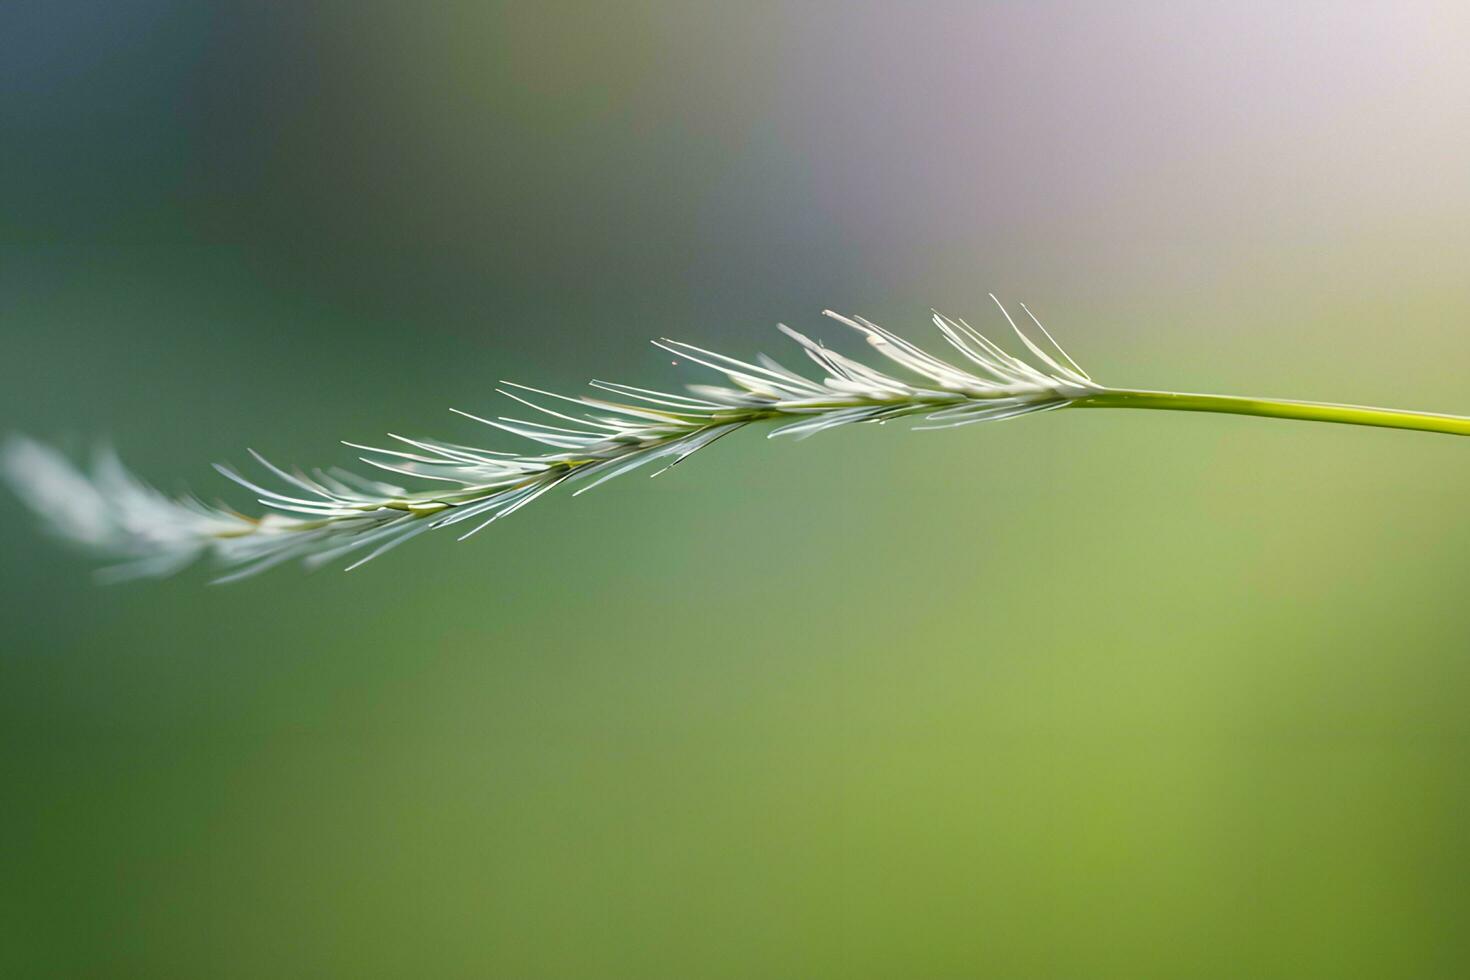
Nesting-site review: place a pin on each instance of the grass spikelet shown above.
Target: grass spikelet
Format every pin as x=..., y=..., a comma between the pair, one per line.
x=322, y=516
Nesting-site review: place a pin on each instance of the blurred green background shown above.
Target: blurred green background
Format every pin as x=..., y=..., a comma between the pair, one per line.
x=1088, y=694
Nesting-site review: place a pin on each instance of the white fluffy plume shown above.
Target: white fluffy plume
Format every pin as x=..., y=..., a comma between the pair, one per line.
x=322, y=515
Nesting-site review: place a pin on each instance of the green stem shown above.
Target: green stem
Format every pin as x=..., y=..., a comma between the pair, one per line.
x=1273, y=408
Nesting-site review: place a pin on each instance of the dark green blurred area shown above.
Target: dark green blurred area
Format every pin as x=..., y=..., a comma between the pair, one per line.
x=1088, y=694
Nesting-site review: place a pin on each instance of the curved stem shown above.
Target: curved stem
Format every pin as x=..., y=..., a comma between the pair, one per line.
x=1274, y=408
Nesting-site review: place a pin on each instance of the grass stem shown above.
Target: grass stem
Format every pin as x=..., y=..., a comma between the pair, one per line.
x=1275, y=408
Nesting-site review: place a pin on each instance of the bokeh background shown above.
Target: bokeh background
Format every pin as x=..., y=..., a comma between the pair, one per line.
x=1080, y=695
